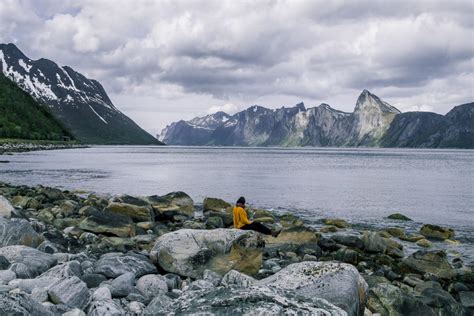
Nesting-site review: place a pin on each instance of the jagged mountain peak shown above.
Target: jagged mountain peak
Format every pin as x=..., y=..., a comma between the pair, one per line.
x=369, y=101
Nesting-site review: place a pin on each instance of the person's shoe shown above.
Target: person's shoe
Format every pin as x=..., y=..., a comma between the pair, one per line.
x=277, y=232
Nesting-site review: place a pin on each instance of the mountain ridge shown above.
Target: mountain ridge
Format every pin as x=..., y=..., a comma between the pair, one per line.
x=373, y=122
x=79, y=103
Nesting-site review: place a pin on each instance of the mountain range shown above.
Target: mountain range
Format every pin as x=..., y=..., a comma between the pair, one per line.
x=80, y=104
x=373, y=122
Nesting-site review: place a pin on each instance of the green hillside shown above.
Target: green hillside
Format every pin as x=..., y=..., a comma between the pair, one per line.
x=21, y=117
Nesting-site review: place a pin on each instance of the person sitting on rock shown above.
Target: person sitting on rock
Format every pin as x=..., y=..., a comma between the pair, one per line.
x=241, y=220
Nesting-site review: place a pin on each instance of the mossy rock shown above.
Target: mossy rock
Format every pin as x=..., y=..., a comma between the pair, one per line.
x=214, y=204
x=425, y=243
x=436, y=232
x=338, y=222
x=399, y=216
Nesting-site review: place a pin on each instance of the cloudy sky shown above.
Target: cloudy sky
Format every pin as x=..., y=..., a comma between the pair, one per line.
x=161, y=61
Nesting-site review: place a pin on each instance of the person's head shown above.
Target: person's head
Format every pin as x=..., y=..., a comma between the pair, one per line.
x=241, y=201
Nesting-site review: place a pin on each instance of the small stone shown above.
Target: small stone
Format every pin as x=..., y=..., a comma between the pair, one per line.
x=135, y=307
x=308, y=257
x=74, y=312
x=212, y=277
x=424, y=243
x=40, y=294
x=102, y=294
x=4, y=263
x=6, y=276
x=152, y=285
x=6, y=208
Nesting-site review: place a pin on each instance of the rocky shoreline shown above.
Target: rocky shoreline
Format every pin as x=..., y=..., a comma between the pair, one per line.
x=14, y=147
x=76, y=253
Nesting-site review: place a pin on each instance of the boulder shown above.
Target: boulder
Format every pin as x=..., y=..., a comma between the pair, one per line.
x=425, y=243
x=18, y=232
x=441, y=302
x=105, y=308
x=28, y=285
x=6, y=276
x=254, y=300
x=151, y=285
x=102, y=294
x=434, y=262
x=71, y=292
x=436, y=232
x=339, y=223
x=235, y=278
x=113, y=265
x=227, y=218
x=160, y=305
x=347, y=255
x=171, y=204
x=21, y=304
x=108, y=222
x=189, y=252
x=388, y=299
x=338, y=283
x=213, y=204
x=34, y=260
x=4, y=263
x=65, y=270
x=51, y=194
x=399, y=217
x=214, y=222
x=373, y=242
x=297, y=235
x=395, y=231
x=352, y=241
x=467, y=299
x=122, y=285
x=6, y=208
x=138, y=209
x=93, y=279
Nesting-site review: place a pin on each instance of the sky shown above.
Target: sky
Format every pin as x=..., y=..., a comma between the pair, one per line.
x=162, y=61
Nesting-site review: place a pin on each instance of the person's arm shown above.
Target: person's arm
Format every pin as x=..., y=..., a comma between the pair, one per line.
x=243, y=217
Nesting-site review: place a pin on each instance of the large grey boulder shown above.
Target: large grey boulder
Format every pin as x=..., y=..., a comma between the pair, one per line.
x=18, y=232
x=235, y=278
x=34, y=260
x=388, y=299
x=254, y=300
x=114, y=265
x=72, y=292
x=171, y=204
x=189, y=252
x=434, y=262
x=338, y=283
x=21, y=304
x=6, y=208
x=138, y=209
x=107, y=222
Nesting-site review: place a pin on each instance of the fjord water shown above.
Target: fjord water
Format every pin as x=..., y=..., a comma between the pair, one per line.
x=360, y=185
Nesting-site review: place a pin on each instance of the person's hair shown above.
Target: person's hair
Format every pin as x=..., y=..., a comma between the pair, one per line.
x=241, y=200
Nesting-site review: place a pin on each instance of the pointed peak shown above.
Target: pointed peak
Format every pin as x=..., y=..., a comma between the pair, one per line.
x=300, y=106
x=368, y=100
x=12, y=50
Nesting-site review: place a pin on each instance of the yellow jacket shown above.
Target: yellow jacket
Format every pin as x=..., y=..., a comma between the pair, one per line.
x=240, y=217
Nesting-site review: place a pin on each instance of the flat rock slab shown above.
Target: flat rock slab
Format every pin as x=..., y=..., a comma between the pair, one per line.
x=116, y=265
x=253, y=300
x=189, y=252
x=338, y=283
x=34, y=260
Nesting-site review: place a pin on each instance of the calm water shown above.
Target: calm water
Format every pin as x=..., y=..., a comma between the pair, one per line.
x=361, y=185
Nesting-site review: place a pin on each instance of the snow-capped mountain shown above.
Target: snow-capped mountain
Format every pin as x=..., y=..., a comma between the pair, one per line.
x=374, y=122
x=81, y=104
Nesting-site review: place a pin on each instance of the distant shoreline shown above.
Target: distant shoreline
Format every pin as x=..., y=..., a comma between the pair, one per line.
x=15, y=146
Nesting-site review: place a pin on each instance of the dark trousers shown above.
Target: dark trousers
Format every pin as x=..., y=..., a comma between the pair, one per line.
x=256, y=226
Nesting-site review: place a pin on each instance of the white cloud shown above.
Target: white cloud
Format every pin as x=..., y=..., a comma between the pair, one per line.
x=183, y=57
x=228, y=108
